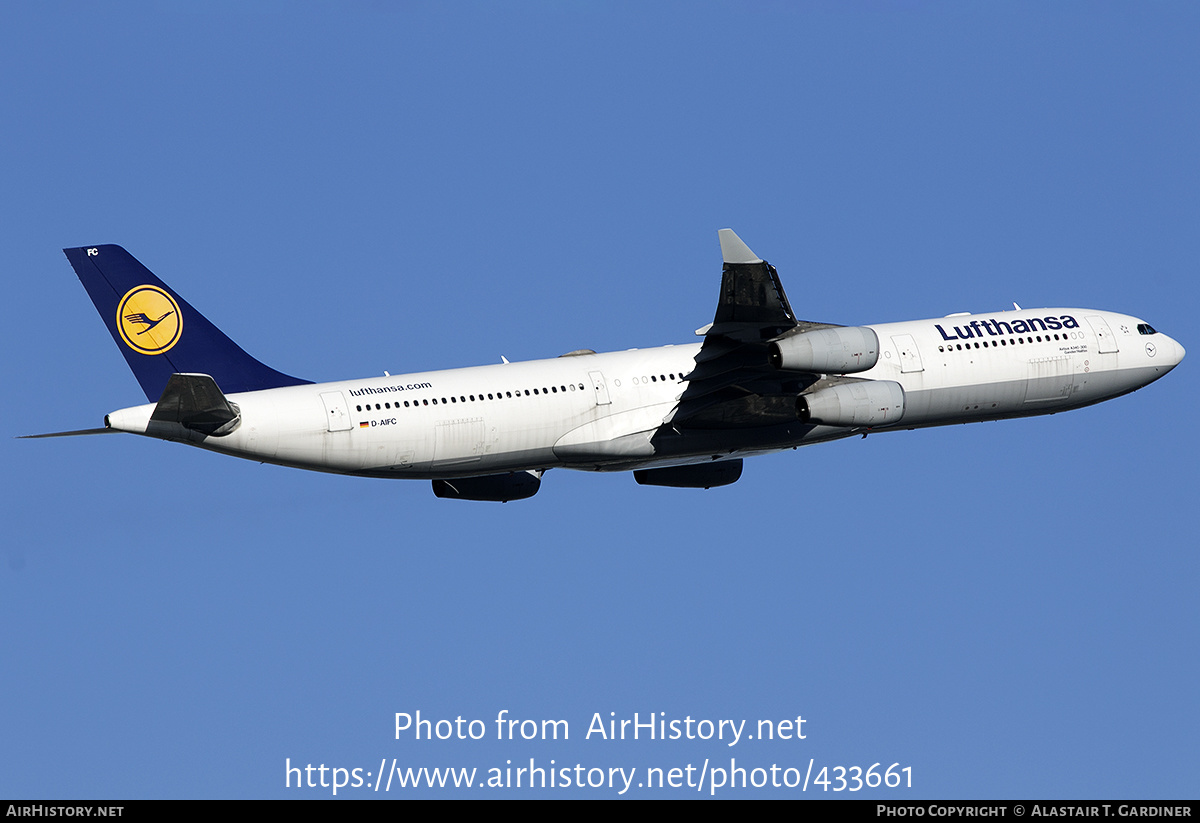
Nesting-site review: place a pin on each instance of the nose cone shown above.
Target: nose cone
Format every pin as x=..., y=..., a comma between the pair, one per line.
x=1176, y=351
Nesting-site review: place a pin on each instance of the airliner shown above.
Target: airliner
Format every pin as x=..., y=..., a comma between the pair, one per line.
x=759, y=381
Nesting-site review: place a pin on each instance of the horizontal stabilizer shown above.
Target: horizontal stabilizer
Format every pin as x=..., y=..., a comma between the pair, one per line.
x=194, y=402
x=67, y=434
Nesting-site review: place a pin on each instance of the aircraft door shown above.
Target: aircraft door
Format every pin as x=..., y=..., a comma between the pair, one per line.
x=336, y=415
x=910, y=358
x=600, y=387
x=1104, y=335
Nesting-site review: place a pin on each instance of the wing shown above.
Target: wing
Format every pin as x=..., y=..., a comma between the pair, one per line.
x=733, y=383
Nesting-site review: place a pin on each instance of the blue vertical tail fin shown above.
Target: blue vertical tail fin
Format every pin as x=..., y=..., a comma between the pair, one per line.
x=159, y=332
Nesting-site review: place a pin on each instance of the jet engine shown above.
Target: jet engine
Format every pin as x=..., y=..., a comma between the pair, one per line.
x=495, y=487
x=699, y=476
x=862, y=403
x=837, y=350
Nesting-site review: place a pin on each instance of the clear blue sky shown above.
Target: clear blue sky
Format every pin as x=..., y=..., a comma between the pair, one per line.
x=1008, y=608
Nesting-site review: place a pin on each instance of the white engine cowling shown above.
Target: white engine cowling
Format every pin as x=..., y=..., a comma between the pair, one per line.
x=866, y=403
x=839, y=350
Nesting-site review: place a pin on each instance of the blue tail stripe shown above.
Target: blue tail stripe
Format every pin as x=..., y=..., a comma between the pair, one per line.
x=186, y=343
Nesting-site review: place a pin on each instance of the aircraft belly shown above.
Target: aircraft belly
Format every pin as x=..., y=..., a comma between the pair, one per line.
x=1100, y=384
x=703, y=445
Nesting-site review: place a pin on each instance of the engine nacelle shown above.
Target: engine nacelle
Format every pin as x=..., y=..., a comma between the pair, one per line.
x=499, y=488
x=866, y=403
x=699, y=476
x=839, y=350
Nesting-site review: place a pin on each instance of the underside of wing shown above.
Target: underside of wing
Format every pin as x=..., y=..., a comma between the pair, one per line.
x=734, y=383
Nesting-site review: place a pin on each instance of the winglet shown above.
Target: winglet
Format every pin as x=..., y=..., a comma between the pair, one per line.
x=734, y=250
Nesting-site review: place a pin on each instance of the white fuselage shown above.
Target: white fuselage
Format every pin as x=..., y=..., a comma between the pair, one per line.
x=613, y=411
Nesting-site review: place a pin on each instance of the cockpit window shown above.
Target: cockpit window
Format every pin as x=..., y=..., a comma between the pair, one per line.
x=1146, y=328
